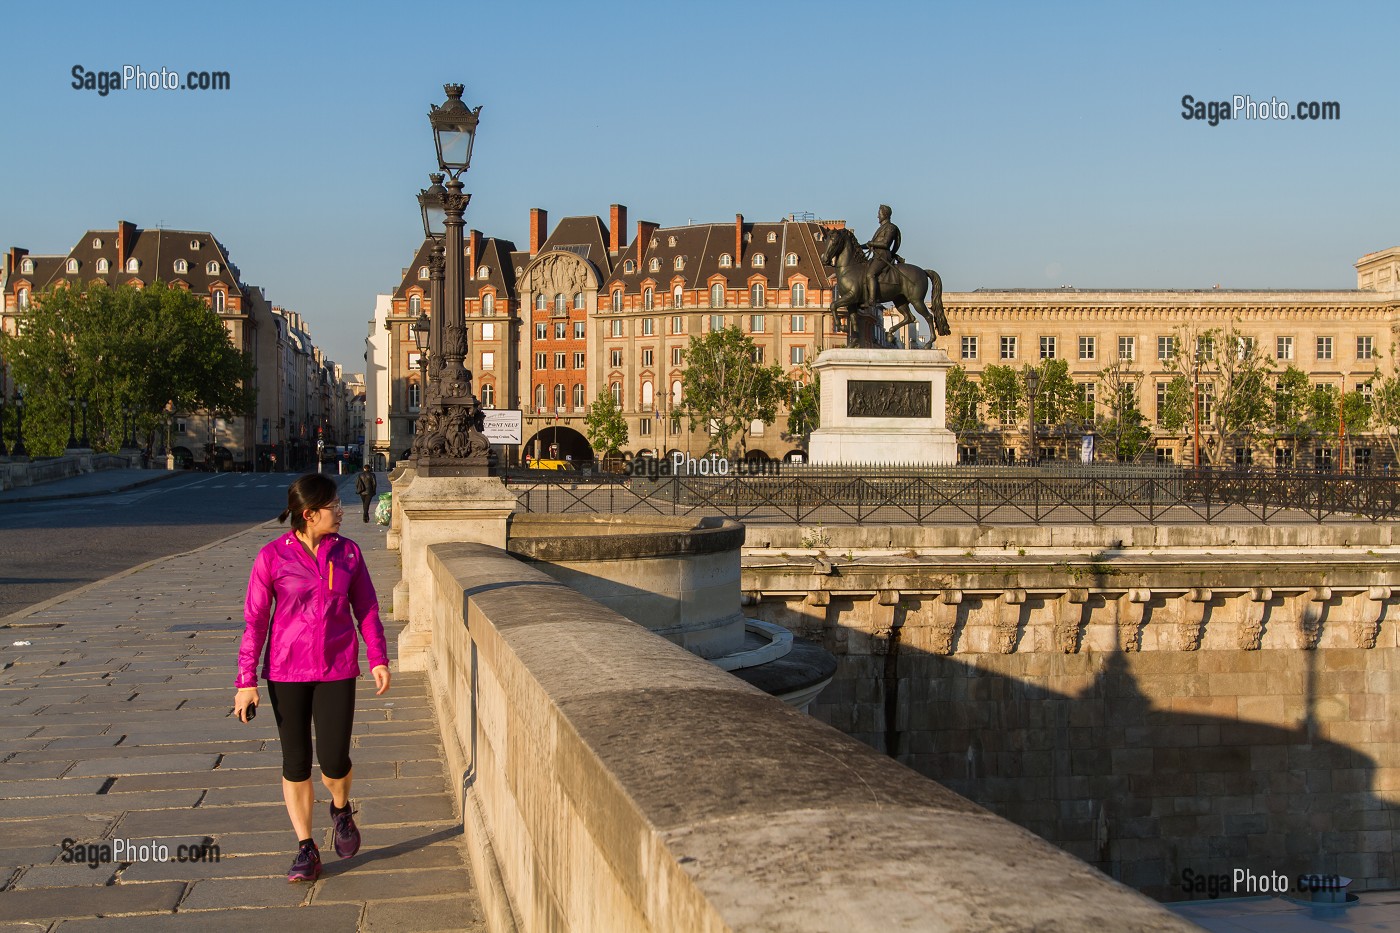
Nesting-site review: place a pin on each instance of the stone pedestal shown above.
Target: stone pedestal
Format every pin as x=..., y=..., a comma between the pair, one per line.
x=400, y=478
x=435, y=510
x=883, y=407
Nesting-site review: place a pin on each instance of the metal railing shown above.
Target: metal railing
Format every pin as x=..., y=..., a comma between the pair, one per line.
x=1069, y=494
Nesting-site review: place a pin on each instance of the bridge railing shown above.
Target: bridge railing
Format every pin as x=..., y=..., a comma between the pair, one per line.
x=1094, y=494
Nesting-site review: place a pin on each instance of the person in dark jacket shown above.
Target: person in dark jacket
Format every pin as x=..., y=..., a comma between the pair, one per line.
x=366, y=487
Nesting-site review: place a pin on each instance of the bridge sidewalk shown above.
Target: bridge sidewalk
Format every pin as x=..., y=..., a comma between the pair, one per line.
x=115, y=723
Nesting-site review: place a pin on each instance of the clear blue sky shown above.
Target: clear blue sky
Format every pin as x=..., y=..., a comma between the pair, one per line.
x=1020, y=144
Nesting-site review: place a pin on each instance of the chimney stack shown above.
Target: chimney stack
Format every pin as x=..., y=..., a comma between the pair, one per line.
x=645, y=228
x=617, y=222
x=539, y=228
x=126, y=239
x=473, y=250
x=739, y=240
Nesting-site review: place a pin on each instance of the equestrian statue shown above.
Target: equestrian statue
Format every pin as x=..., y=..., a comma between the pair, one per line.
x=864, y=284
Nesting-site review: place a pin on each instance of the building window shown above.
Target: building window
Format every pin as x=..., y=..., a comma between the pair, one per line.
x=488, y=395
x=1161, y=400
x=1283, y=348
x=1008, y=348
x=1205, y=348
x=133, y=265
x=1127, y=348
x=619, y=328
x=648, y=326
x=677, y=324
x=579, y=401
x=578, y=301
x=646, y=393
x=541, y=397
x=654, y=265
x=969, y=348
x=483, y=273
x=798, y=355
x=716, y=322
x=615, y=357
x=559, y=303
x=799, y=295
x=629, y=267
x=559, y=359
x=180, y=266
x=414, y=395
x=561, y=330
x=677, y=297
x=1324, y=348
x=677, y=356
x=756, y=323
x=717, y=295
x=561, y=396
x=212, y=268
x=648, y=302
x=578, y=360
x=1047, y=348
x=758, y=355
x=488, y=304
x=1088, y=348
x=617, y=300
x=541, y=330
x=415, y=304
x=1365, y=348
x=194, y=244
x=105, y=266
x=488, y=331
x=488, y=360
x=1166, y=348
x=1166, y=455
x=541, y=302
x=644, y=427
x=541, y=360
x=725, y=261
x=616, y=389
x=1087, y=397
x=22, y=298
x=1206, y=392
x=799, y=323
x=72, y=265
x=27, y=267
x=757, y=260
x=670, y=241
x=679, y=264
x=676, y=398
x=422, y=272
x=648, y=357
x=792, y=259
x=756, y=295
x=219, y=302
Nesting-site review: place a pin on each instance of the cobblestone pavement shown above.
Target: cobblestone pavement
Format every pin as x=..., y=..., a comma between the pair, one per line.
x=116, y=724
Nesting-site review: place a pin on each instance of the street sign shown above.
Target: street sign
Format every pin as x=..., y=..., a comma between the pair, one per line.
x=503, y=426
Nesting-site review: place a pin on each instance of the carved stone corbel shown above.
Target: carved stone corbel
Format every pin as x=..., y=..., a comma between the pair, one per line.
x=1254, y=609
x=1312, y=616
x=1372, y=611
x=1071, y=615
x=1192, y=621
x=1008, y=621
x=943, y=613
x=1132, y=609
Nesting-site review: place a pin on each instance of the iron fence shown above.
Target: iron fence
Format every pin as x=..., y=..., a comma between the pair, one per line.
x=1080, y=494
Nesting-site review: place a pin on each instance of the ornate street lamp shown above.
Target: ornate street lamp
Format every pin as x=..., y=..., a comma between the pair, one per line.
x=1033, y=387
x=449, y=441
x=433, y=202
x=19, y=450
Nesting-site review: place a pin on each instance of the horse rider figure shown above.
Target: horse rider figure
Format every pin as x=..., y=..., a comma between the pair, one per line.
x=884, y=253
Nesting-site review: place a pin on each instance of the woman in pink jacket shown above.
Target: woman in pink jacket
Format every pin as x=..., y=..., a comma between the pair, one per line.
x=304, y=587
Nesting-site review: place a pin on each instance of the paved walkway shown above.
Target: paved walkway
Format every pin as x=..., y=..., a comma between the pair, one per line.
x=98, y=483
x=115, y=724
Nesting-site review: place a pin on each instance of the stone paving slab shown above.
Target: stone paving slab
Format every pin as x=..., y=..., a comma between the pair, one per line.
x=115, y=722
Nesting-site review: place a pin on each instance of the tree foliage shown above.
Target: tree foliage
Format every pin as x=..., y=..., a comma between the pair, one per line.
x=1001, y=387
x=1233, y=377
x=153, y=349
x=963, y=404
x=604, y=425
x=1123, y=433
x=804, y=405
x=726, y=390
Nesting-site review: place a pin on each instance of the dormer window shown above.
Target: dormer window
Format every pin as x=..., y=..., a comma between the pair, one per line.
x=725, y=261
x=758, y=260
x=22, y=298
x=194, y=244
x=488, y=303
x=652, y=243
x=212, y=268
x=679, y=263
x=27, y=267
x=617, y=300
x=415, y=304
x=483, y=273
x=220, y=301
x=422, y=272
x=671, y=241
x=73, y=265
x=772, y=237
x=677, y=297
x=654, y=265
x=629, y=267
x=133, y=265
x=792, y=259
x=181, y=266
x=103, y=265
x=97, y=243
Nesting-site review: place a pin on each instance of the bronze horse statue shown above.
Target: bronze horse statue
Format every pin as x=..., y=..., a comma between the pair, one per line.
x=905, y=284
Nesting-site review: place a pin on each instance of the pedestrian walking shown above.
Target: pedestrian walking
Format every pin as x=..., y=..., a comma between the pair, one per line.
x=303, y=589
x=366, y=487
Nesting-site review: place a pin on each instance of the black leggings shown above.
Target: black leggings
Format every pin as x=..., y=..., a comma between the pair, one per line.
x=332, y=704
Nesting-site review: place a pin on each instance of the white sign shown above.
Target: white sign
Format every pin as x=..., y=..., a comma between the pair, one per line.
x=502, y=425
x=1086, y=449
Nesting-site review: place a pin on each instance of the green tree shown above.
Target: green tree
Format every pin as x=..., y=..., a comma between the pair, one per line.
x=153, y=349
x=1385, y=410
x=1233, y=377
x=804, y=405
x=1322, y=411
x=726, y=389
x=605, y=426
x=1123, y=433
x=1001, y=387
x=963, y=404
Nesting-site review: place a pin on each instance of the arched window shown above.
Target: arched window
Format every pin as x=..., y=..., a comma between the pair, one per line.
x=679, y=264
x=725, y=261
x=617, y=300
x=483, y=273
x=22, y=297
x=541, y=302
x=97, y=243
x=670, y=241
x=758, y=260
x=799, y=295
x=559, y=302
x=219, y=302
x=488, y=303
x=414, y=396
x=717, y=295
x=676, y=394
x=194, y=244
x=629, y=267
x=181, y=266
x=677, y=297
x=579, y=400
x=415, y=304
x=616, y=389
x=561, y=395
x=541, y=397
x=654, y=265
x=488, y=395
x=756, y=295
x=646, y=394
x=27, y=267
x=647, y=299
x=578, y=301
x=133, y=265
x=772, y=237
x=792, y=259
x=72, y=265
x=105, y=266
x=423, y=272
x=212, y=268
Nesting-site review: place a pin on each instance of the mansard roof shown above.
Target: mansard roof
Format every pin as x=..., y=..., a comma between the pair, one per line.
x=701, y=246
x=585, y=237
x=496, y=254
x=157, y=252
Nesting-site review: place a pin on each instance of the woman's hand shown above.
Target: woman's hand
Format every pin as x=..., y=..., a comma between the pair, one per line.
x=244, y=698
x=381, y=678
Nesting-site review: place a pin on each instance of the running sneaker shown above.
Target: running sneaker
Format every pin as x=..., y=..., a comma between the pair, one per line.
x=307, y=865
x=347, y=834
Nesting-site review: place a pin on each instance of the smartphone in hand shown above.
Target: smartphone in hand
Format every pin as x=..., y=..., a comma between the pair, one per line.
x=249, y=712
